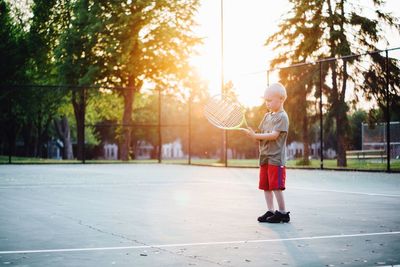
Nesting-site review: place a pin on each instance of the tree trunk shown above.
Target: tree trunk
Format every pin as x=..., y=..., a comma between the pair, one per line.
x=127, y=124
x=64, y=132
x=334, y=95
x=79, y=104
x=339, y=111
x=127, y=119
x=341, y=140
x=306, y=156
x=341, y=121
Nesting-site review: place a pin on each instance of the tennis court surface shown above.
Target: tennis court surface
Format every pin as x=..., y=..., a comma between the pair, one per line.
x=176, y=215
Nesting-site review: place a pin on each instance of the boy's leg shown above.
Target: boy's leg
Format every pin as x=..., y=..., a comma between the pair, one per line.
x=277, y=175
x=280, y=215
x=280, y=199
x=269, y=198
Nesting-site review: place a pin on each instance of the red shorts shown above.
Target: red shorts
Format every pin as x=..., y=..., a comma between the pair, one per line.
x=272, y=177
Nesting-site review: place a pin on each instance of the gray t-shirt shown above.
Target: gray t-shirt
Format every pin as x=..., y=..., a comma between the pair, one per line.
x=274, y=152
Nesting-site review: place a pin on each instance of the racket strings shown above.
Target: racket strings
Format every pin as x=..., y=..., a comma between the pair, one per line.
x=224, y=113
x=229, y=115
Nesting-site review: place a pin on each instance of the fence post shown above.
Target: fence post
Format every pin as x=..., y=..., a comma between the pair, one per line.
x=387, y=112
x=321, y=117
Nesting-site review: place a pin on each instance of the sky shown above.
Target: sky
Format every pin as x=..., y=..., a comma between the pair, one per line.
x=246, y=26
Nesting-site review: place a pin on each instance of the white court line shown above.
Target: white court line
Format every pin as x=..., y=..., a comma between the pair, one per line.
x=198, y=244
x=345, y=192
x=197, y=183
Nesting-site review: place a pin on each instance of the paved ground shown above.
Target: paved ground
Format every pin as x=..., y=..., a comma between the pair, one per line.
x=172, y=215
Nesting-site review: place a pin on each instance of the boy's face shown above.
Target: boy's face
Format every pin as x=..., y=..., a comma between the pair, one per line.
x=273, y=101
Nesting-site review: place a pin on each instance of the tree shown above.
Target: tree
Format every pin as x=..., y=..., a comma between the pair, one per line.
x=41, y=39
x=373, y=82
x=13, y=48
x=315, y=29
x=13, y=55
x=40, y=107
x=79, y=58
x=301, y=83
x=148, y=43
x=39, y=104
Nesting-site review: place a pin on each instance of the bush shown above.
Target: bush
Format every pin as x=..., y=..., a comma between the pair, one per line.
x=303, y=162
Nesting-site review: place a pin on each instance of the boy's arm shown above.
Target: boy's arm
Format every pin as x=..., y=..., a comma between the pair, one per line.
x=262, y=136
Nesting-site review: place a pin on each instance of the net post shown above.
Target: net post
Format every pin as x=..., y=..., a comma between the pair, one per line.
x=387, y=112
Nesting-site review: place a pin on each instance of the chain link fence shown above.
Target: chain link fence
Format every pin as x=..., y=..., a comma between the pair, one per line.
x=344, y=114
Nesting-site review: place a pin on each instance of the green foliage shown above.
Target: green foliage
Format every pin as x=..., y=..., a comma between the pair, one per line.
x=315, y=29
x=85, y=43
x=30, y=110
x=375, y=83
x=41, y=40
x=77, y=59
x=13, y=48
x=356, y=119
x=303, y=162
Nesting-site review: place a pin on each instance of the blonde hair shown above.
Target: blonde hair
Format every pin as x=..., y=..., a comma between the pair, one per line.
x=278, y=89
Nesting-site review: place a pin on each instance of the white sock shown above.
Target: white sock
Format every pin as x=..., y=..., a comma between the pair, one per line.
x=282, y=211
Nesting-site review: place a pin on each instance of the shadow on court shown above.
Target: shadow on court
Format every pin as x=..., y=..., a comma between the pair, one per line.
x=174, y=215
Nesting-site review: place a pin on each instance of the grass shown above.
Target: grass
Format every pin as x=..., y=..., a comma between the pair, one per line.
x=28, y=160
x=330, y=164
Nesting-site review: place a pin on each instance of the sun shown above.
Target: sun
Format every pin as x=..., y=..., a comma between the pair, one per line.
x=209, y=70
x=245, y=56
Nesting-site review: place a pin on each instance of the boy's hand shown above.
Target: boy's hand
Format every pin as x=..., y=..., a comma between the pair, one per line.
x=250, y=132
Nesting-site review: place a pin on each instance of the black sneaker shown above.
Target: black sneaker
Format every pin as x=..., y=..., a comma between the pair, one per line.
x=279, y=218
x=264, y=217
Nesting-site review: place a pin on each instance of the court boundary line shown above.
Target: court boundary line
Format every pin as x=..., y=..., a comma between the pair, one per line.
x=22, y=186
x=237, y=242
x=345, y=192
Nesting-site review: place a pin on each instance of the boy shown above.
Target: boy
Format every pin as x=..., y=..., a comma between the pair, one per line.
x=272, y=141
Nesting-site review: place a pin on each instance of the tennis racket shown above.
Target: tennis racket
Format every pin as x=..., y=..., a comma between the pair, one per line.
x=225, y=113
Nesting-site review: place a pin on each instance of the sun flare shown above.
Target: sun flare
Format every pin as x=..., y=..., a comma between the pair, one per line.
x=245, y=56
